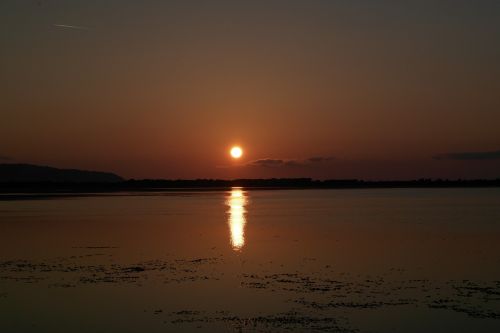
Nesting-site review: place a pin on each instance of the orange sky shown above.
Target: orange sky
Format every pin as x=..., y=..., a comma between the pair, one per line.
x=163, y=89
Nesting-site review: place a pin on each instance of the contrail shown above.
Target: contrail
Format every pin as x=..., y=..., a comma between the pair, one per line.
x=65, y=26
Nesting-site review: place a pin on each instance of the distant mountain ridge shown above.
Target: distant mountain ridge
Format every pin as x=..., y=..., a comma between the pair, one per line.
x=35, y=173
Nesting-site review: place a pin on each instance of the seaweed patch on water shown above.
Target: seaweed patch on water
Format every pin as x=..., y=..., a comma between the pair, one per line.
x=475, y=299
x=69, y=272
x=353, y=305
x=291, y=321
x=293, y=282
x=475, y=311
x=467, y=288
x=322, y=292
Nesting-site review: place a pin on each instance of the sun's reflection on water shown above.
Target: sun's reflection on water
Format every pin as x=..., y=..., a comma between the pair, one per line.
x=237, y=201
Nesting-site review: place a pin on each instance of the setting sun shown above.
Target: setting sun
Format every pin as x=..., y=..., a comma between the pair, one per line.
x=236, y=152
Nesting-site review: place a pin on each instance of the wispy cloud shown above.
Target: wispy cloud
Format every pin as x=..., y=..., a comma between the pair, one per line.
x=74, y=27
x=276, y=163
x=467, y=156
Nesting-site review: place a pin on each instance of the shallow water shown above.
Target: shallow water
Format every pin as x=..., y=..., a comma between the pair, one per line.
x=376, y=260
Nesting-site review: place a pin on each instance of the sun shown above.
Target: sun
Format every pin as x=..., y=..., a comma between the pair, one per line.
x=236, y=152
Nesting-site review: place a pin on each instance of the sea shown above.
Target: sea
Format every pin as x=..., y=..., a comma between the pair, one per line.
x=250, y=260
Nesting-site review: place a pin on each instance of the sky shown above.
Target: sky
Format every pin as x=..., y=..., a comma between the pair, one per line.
x=312, y=88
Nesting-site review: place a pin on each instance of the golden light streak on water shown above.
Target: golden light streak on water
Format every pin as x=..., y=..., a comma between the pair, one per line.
x=237, y=201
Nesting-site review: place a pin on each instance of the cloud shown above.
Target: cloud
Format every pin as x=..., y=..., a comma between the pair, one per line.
x=4, y=158
x=320, y=159
x=66, y=26
x=468, y=156
x=277, y=163
x=271, y=163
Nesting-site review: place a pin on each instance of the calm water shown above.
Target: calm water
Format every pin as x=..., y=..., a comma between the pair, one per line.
x=389, y=260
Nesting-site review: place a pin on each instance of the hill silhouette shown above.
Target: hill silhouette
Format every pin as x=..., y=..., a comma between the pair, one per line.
x=29, y=173
x=28, y=178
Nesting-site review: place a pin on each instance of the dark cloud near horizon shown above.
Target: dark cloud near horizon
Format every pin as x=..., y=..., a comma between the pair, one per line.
x=275, y=163
x=469, y=156
x=5, y=158
x=320, y=159
x=271, y=163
